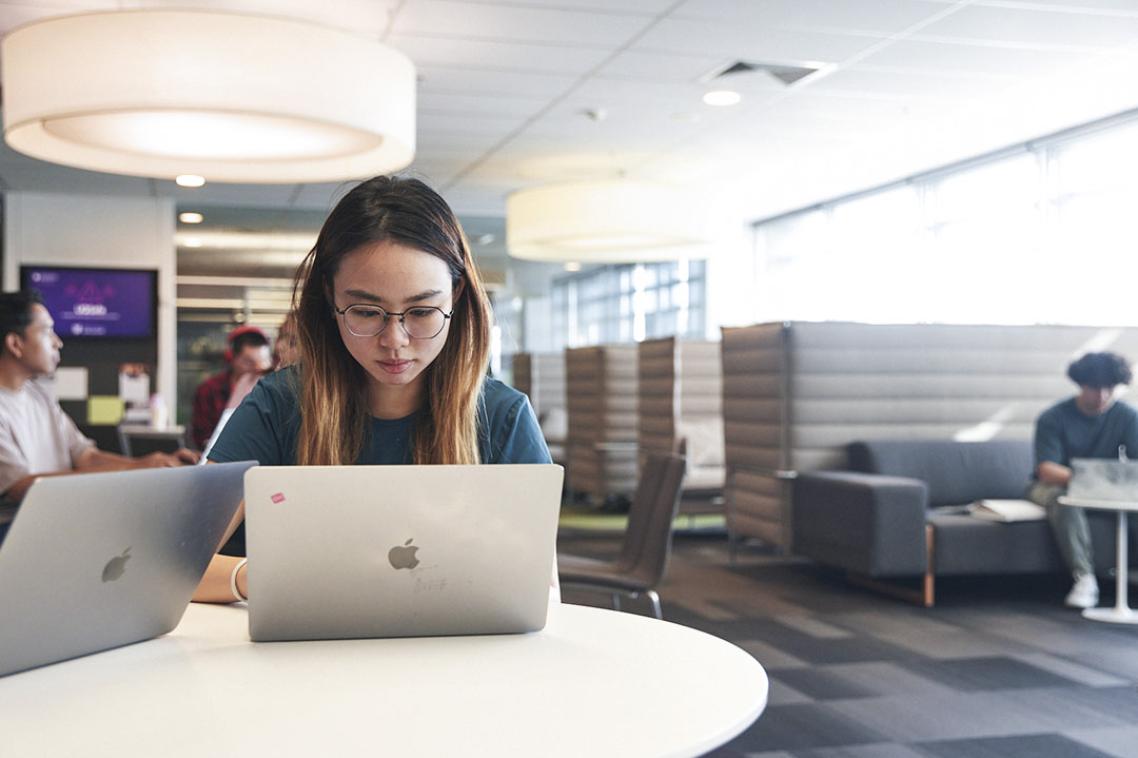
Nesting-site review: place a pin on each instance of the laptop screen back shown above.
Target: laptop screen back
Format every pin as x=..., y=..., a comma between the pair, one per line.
x=95, y=561
x=395, y=551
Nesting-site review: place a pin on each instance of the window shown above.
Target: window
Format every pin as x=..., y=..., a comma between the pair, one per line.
x=627, y=303
x=1041, y=235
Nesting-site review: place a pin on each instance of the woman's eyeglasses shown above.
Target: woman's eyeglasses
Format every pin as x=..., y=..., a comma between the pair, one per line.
x=419, y=323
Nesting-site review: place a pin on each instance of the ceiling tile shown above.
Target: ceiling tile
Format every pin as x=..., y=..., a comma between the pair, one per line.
x=643, y=7
x=975, y=59
x=1039, y=28
x=883, y=112
x=626, y=92
x=436, y=102
x=444, y=143
x=881, y=17
x=321, y=197
x=469, y=80
x=900, y=82
x=445, y=123
x=661, y=67
x=512, y=23
x=448, y=51
x=474, y=197
x=35, y=176
x=248, y=195
x=1126, y=7
x=750, y=42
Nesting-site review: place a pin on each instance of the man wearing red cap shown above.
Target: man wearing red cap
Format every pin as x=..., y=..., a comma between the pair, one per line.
x=249, y=357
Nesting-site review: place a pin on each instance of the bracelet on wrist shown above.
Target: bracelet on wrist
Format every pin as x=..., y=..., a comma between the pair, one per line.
x=237, y=596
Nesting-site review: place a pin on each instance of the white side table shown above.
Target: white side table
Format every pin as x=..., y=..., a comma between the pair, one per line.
x=1121, y=613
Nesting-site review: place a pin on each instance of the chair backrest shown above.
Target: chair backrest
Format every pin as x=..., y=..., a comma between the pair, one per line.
x=651, y=532
x=640, y=511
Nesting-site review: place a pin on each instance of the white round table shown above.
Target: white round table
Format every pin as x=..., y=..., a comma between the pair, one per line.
x=594, y=682
x=1121, y=613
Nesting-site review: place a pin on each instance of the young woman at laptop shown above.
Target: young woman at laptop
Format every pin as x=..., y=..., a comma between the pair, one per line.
x=393, y=326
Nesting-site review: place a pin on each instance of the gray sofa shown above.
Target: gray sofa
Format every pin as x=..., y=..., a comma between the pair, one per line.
x=896, y=515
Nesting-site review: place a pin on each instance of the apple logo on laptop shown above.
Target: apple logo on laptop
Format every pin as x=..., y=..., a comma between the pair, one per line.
x=116, y=566
x=403, y=556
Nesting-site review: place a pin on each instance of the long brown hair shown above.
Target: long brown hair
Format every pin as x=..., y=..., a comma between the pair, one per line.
x=334, y=413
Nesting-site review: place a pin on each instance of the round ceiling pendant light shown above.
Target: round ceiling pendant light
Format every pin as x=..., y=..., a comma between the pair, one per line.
x=617, y=221
x=233, y=98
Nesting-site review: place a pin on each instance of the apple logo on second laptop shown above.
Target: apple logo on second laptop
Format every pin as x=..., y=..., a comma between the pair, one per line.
x=116, y=566
x=403, y=556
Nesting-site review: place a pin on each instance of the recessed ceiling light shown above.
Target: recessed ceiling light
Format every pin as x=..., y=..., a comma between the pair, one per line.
x=572, y=266
x=485, y=239
x=722, y=97
x=192, y=242
x=189, y=217
x=189, y=180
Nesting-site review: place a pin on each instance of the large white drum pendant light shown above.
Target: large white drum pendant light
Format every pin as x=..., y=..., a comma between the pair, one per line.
x=234, y=98
x=618, y=221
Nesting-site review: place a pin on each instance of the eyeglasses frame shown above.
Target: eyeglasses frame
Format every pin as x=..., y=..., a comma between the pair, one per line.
x=387, y=319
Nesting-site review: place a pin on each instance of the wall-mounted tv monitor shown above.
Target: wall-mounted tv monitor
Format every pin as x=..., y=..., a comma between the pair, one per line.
x=97, y=303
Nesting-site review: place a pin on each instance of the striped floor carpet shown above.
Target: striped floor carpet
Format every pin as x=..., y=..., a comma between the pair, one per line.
x=998, y=669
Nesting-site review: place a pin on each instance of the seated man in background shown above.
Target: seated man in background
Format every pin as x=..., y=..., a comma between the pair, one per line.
x=36, y=437
x=286, y=348
x=1092, y=424
x=249, y=358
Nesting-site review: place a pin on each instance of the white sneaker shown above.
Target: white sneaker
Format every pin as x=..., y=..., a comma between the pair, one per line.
x=1084, y=593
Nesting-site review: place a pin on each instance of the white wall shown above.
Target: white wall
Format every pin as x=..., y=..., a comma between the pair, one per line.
x=90, y=230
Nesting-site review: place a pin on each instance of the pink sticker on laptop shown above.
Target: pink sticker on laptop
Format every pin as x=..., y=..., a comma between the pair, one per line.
x=277, y=497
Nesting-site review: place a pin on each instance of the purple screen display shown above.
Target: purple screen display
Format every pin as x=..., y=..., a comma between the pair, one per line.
x=96, y=303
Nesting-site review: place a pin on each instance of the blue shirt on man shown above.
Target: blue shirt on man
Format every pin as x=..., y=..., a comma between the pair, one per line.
x=265, y=427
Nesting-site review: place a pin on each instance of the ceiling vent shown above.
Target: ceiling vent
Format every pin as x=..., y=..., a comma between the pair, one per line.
x=788, y=75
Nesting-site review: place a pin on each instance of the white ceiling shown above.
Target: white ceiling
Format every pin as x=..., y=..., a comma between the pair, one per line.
x=907, y=85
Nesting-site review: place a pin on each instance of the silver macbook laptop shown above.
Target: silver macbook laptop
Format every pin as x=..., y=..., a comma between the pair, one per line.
x=95, y=561
x=1103, y=479
x=399, y=551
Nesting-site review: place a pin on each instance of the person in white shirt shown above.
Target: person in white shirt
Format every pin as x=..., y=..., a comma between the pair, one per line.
x=36, y=437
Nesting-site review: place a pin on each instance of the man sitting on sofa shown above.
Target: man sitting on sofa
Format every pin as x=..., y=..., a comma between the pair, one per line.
x=1092, y=424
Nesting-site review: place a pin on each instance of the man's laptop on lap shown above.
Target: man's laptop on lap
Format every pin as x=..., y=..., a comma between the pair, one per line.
x=1103, y=479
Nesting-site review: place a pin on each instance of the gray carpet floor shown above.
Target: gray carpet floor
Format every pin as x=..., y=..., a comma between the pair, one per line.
x=997, y=669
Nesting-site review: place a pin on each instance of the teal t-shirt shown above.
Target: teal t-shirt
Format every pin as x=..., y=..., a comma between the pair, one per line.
x=1063, y=432
x=265, y=427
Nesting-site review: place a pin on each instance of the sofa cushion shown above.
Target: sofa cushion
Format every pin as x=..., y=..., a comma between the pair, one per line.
x=967, y=545
x=955, y=472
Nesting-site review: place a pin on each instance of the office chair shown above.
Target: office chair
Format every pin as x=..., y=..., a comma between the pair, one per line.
x=643, y=557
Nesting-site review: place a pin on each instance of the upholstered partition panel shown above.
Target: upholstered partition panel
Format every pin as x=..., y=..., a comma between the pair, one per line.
x=681, y=396
x=926, y=381
x=701, y=414
x=658, y=386
x=795, y=394
x=602, y=395
x=755, y=376
x=542, y=377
